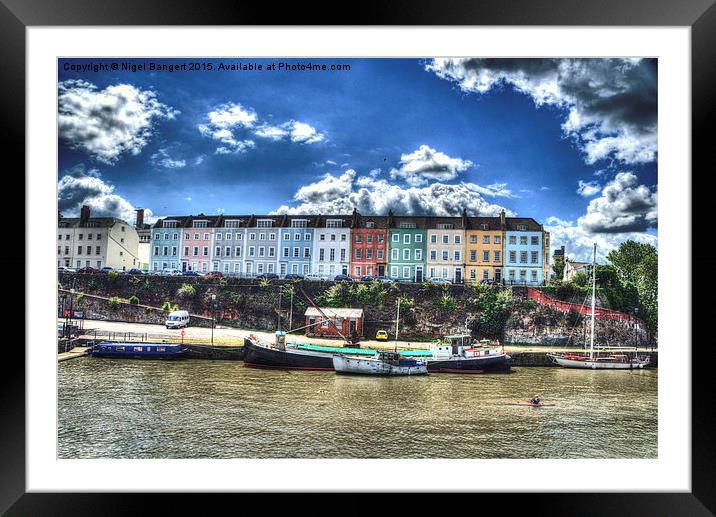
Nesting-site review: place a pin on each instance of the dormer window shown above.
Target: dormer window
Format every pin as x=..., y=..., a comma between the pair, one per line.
x=200, y=224
x=264, y=223
x=334, y=223
x=522, y=227
x=233, y=223
x=407, y=225
x=370, y=224
x=299, y=223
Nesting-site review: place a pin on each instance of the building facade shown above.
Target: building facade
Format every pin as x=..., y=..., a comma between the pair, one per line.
x=296, y=245
x=406, y=248
x=524, y=250
x=262, y=244
x=166, y=243
x=484, y=249
x=446, y=248
x=369, y=246
x=96, y=242
x=331, y=246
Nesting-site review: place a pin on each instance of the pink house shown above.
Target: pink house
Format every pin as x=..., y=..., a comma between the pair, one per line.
x=196, y=243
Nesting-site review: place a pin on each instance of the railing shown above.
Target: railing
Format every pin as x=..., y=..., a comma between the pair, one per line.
x=583, y=310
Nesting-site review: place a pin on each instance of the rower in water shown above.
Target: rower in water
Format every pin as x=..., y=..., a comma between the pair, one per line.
x=536, y=400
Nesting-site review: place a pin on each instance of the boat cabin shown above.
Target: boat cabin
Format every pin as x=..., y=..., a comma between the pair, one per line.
x=332, y=322
x=462, y=345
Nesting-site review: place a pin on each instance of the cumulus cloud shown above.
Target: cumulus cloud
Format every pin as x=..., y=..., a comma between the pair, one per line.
x=610, y=104
x=579, y=242
x=341, y=194
x=233, y=125
x=588, y=188
x=624, y=206
x=86, y=187
x=425, y=164
x=107, y=123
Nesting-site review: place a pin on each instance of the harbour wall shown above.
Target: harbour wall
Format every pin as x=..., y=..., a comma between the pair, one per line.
x=428, y=310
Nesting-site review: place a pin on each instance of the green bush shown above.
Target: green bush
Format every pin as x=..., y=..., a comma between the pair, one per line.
x=80, y=297
x=223, y=282
x=169, y=307
x=186, y=291
x=133, y=300
x=113, y=276
x=114, y=303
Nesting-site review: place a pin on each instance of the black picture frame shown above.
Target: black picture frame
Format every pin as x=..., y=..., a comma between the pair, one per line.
x=699, y=15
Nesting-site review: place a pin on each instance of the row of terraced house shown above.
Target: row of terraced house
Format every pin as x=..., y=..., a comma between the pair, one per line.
x=406, y=248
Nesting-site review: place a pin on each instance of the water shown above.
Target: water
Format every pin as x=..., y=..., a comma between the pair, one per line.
x=219, y=409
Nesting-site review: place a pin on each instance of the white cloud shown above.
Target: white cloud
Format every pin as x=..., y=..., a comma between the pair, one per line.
x=232, y=124
x=341, y=194
x=425, y=164
x=588, y=188
x=624, y=206
x=107, y=123
x=162, y=159
x=579, y=242
x=86, y=187
x=610, y=103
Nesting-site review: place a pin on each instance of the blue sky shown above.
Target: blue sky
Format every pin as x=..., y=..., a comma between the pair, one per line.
x=571, y=143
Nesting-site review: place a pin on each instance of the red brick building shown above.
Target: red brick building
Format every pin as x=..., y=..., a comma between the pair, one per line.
x=348, y=321
x=369, y=246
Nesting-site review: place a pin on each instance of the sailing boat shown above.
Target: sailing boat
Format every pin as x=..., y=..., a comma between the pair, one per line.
x=613, y=361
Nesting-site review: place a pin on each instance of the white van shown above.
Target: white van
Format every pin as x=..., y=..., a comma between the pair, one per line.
x=177, y=319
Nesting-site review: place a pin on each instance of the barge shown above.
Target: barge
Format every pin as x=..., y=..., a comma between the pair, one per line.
x=138, y=350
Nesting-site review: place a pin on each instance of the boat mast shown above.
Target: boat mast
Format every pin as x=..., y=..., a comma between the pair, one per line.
x=397, y=319
x=594, y=289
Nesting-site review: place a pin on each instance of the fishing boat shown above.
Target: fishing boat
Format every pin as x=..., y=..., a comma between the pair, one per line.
x=612, y=360
x=138, y=350
x=383, y=363
x=260, y=354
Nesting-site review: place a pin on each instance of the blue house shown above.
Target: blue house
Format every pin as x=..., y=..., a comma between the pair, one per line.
x=166, y=244
x=523, y=251
x=296, y=237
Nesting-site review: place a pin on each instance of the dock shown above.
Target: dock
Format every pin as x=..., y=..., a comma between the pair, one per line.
x=78, y=351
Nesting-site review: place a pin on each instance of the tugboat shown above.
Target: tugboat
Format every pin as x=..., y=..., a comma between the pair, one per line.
x=383, y=363
x=138, y=350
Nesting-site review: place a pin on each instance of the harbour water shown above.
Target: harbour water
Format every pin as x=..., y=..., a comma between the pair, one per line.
x=220, y=409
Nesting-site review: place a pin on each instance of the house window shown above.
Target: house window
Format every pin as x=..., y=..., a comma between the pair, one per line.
x=523, y=275
x=218, y=251
x=156, y=250
x=381, y=239
x=534, y=275
x=358, y=238
x=406, y=272
x=513, y=256
x=433, y=255
x=237, y=251
x=456, y=256
x=252, y=236
x=219, y=236
x=396, y=237
x=370, y=224
x=195, y=251
x=534, y=240
x=252, y=251
x=380, y=254
x=296, y=236
x=322, y=254
x=523, y=257
x=473, y=239
x=522, y=227
x=497, y=256
x=445, y=255
x=80, y=236
x=394, y=271
x=533, y=258
x=262, y=251
x=296, y=252
x=406, y=238
x=394, y=254
x=523, y=240
x=264, y=223
x=418, y=238
x=497, y=239
x=262, y=236
x=406, y=254
x=418, y=254
x=186, y=251
x=485, y=274
x=486, y=239
x=446, y=239
x=513, y=239
x=472, y=274
x=369, y=239
x=369, y=254
x=334, y=223
x=306, y=236
x=485, y=256
x=457, y=239
x=206, y=251
x=306, y=252
x=333, y=255
x=356, y=271
x=473, y=256
x=227, y=251
x=433, y=239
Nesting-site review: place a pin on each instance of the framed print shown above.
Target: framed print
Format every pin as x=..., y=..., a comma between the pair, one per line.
x=423, y=250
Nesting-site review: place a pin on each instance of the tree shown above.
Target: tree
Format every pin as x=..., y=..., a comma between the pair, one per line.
x=637, y=266
x=558, y=269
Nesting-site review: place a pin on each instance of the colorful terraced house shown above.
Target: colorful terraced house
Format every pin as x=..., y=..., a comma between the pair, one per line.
x=369, y=246
x=406, y=247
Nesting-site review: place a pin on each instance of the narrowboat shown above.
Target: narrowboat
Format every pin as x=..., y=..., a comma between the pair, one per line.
x=138, y=350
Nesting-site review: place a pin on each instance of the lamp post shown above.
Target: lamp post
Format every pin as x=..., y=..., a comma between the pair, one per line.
x=213, y=319
x=63, y=297
x=68, y=322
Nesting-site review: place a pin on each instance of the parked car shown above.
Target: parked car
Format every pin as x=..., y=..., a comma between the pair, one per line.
x=316, y=276
x=135, y=271
x=343, y=278
x=190, y=273
x=267, y=276
x=216, y=274
x=488, y=281
x=170, y=271
x=106, y=269
x=88, y=269
x=385, y=279
x=293, y=276
x=381, y=335
x=65, y=269
x=177, y=319
x=438, y=280
x=366, y=278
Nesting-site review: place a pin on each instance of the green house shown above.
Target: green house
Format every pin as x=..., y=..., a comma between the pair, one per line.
x=407, y=239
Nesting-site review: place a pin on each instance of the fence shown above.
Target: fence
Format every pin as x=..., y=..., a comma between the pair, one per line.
x=566, y=307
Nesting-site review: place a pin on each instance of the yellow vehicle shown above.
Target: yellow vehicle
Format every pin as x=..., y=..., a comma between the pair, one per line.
x=381, y=335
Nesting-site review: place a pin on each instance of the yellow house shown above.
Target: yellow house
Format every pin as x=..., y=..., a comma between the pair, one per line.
x=484, y=249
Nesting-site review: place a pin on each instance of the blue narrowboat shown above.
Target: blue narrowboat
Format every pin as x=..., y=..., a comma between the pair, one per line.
x=139, y=350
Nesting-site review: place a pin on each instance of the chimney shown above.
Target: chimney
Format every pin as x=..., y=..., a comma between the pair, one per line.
x=84, y=214
x=464, y=218
x=354, y=221
x=140, y=217
x=391, y=220
x=502, y=219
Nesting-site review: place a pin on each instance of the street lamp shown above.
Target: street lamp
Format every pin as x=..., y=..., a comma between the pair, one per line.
x=63, y=297
x=213, y=319
x=68, y=326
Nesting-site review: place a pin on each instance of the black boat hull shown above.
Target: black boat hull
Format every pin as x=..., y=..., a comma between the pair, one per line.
x=481, y=364
x=257, y=356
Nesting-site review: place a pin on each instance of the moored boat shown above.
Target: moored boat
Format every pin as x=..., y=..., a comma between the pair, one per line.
x=383, y=363
x=138, y=350
x=593, y=360
x=459, y=353
x=258, y=354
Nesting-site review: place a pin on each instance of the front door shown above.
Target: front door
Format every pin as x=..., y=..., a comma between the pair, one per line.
x=381, y=270
x=458, y=276
x=498, y=275
x=418, y=274
x=183, y=266
x=351, y=327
